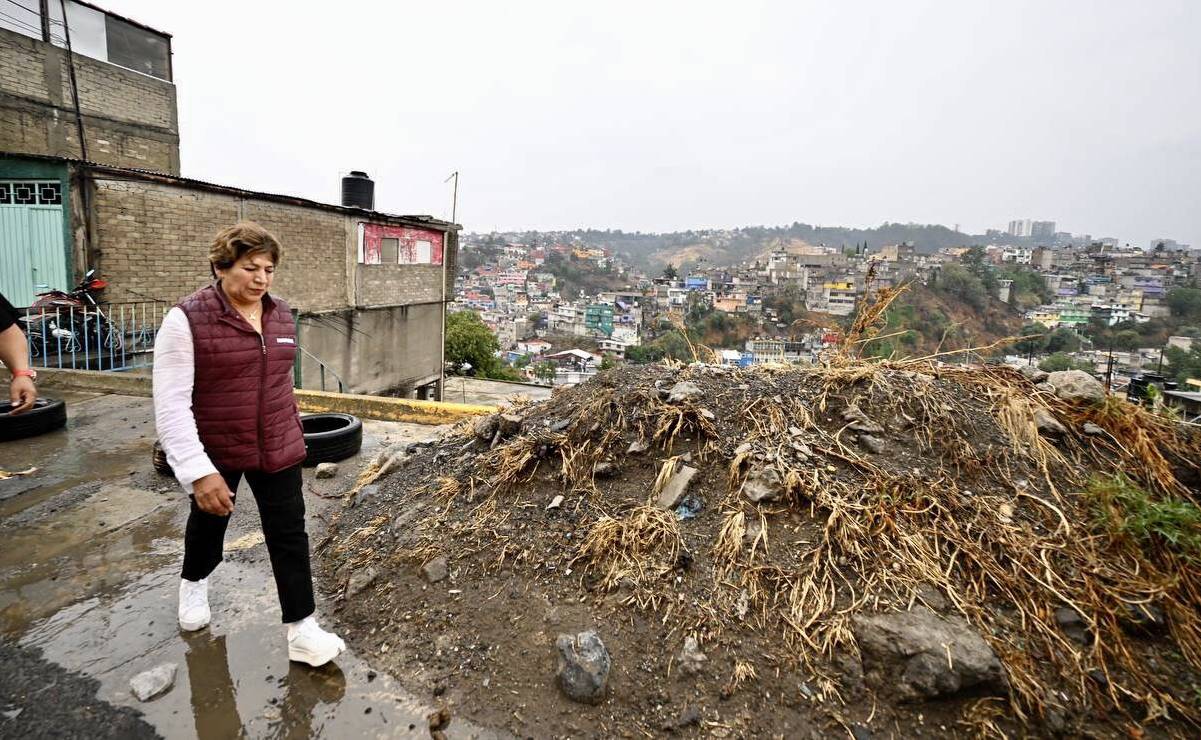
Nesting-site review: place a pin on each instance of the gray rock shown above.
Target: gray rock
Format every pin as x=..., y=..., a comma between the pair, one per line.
x=1033, y=374
x=371, y=490
x=1092, y=429
x=485, y=427
x=1144, y=618
x=683, y=391
x=327, y=470
x=584, y=664
x=871, y=443
x=692, y=658
x=637, y=447
x=604, y=469
x=675, y=489
x=763, y=484
x=1072, y=624
x=154, y=682
x=926, y=656
x=360, y=580
x=508, y=425
x=689, y=716
x=1076, y=386
x=435, y=570
x=859, y=421
x=1047, y=424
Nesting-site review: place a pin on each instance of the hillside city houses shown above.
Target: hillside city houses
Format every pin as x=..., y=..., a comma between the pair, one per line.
x=518, y=297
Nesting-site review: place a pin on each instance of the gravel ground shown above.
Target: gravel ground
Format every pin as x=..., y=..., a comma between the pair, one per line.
x=40, y=699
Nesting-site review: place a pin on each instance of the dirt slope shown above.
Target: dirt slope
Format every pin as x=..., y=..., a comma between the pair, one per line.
x=919, y=558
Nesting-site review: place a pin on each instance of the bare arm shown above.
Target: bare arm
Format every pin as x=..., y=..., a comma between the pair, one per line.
x=13, y=353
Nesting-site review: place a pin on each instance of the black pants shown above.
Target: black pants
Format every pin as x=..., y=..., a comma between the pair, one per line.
x=281, y=508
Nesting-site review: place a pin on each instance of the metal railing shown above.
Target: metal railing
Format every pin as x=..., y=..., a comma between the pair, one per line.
x=324, y=369
x=110, y=336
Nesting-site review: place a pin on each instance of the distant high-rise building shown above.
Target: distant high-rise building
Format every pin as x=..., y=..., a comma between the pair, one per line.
x=1042, y=229
x=1020, y=227
x=1169, y=244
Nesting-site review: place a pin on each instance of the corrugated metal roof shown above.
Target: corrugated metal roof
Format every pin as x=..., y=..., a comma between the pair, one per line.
x=154, y=176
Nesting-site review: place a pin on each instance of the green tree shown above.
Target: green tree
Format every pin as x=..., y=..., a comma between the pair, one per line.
x=1036, y=341
x=608, y=362
x=670, y=272
x=1183, y=364
x=644, y=354
x=545, y=370
x=1185, y=302
x=1063, y=339
x=1063, y=361
x=470, y=341
x=959, y=281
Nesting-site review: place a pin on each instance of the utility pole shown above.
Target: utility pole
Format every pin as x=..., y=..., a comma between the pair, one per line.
x=454, y=203
x=1109, y=370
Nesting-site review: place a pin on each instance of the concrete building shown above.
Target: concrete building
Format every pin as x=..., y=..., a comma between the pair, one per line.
x=1020, y=227
x=370, y=289
x=377, y=323
x=121, y=70
x=839, y=297
x=1042, y=229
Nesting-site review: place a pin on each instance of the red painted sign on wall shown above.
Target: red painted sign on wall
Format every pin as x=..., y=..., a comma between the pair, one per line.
x=411, y=246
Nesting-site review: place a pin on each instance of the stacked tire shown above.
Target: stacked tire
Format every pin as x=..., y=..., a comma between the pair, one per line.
x=46, y=415
x=327, y=438
x=331, y=437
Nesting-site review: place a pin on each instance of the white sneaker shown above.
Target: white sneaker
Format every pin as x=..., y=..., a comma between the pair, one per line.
x=308, y=643
x=194, y=611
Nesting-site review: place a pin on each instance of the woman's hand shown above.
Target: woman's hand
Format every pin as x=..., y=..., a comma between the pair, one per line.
x=212, y=495
x=22, y=394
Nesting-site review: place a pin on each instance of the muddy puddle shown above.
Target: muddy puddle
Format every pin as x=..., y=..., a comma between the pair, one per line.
x=89, y=577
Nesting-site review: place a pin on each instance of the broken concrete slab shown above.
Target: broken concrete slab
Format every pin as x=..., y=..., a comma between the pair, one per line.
x=675, y=489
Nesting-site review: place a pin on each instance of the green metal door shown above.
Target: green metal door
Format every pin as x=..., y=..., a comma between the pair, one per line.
x=32, y=254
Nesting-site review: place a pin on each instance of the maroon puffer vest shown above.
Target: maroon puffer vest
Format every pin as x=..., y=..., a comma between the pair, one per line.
x=242, y=398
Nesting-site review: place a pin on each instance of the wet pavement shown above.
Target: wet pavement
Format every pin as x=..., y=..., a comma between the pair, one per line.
x=89, y=572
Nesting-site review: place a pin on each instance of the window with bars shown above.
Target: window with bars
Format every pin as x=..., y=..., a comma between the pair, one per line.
x=30, y=193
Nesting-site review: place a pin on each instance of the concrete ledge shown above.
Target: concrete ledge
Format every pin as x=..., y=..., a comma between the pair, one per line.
x=389, y=409
x=94, y=381
x=380, y=408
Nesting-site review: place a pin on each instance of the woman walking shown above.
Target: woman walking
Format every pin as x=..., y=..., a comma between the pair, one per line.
x=224, y=409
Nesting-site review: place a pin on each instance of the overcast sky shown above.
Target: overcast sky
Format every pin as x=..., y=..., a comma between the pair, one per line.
x=660, y=116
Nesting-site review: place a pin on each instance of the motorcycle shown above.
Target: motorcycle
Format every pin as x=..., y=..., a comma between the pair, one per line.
x=70, y=321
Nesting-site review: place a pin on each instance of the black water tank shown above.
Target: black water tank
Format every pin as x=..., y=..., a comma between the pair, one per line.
x=358, y=191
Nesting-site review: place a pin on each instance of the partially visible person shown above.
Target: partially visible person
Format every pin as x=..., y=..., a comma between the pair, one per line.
x=14, y=353
x=224, y=409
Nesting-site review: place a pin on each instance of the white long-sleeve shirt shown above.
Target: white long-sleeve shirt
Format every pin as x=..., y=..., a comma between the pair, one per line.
x=174, y=376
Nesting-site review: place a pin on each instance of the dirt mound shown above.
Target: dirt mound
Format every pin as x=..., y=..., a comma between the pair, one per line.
x=872, y=548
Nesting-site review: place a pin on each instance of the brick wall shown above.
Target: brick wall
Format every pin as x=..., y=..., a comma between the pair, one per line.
x=130, y=119
x=120, y=94
x=399, y=285
x=312, y=274
x=154, y=239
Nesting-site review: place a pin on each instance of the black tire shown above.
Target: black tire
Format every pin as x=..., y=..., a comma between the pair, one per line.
x=46, y=415
x=331, y=437
x=159, y=460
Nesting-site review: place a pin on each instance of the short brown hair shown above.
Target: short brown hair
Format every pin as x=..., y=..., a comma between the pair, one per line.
x=235, y=242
